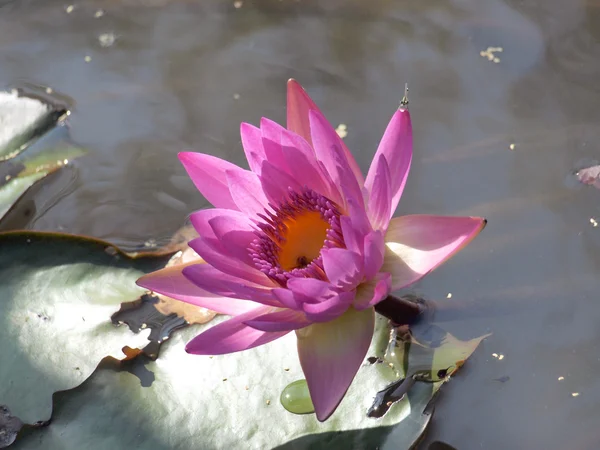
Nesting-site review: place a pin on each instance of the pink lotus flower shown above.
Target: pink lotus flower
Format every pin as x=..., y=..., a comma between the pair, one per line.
x=302, y=241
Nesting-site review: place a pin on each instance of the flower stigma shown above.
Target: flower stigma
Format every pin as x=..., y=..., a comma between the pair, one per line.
x=291, y=239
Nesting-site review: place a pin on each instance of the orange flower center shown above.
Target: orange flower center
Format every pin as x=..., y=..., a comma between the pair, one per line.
x=304, y=236
x=291, y=237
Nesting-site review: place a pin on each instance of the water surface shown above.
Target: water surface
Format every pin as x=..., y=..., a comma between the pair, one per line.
x=183, y=75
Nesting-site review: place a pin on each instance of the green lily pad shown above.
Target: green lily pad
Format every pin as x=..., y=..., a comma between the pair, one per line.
x=23, y=118
x=57, y=294
x=51, y=152
x=229, y=401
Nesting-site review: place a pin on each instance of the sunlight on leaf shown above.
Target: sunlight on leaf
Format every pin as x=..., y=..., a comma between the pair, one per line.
x=204, y=402
x=57, y=294
x=23, y=118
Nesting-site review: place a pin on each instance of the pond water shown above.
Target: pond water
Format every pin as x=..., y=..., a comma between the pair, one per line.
x=497, y=138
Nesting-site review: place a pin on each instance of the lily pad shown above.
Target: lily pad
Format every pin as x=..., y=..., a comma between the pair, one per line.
x=51, y=152
x=21, y=119
x=229, y=401
x=57, y=294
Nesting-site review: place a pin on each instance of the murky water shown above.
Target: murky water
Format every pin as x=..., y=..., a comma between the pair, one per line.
x=184, y=74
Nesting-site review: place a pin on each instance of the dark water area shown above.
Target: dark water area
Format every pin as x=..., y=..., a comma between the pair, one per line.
x=496, y=139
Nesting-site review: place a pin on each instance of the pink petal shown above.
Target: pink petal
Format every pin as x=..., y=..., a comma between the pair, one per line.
x=372, y=292
x=208, y=174
x=352, y=238
x=307, y=170
x=298, y=106
x=380, y=199
x=253, y=146
x=331, y=354
x=201, y=220
x=172, y=283
x=276, y=183
x=235, y=234
x=271, y=137
x=374, y=249
x=329, y=309
x=211, y=251
x=232, y=336
x=415, y=245
x=358, y=214
x=247, y=192
x=328, y=147
x=212, y=280
x=310, y=289
x=343, y=268
x=282, y=320
x=287, y=298
x=396, y=146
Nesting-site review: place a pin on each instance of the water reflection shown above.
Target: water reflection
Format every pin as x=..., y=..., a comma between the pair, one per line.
x=183, y=74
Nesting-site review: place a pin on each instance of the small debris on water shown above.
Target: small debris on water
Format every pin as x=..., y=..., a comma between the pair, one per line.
x=49, y=90
x=342, y=130
x=224, y=379
x=511, y=146
x=107, y=39
x=98, y=14
x=238, y=4
x=561, y=378
x=268, y=402
x=449, y=295
x=575, y=394
x=112, y=251
x=495, y=355
x=593, y=222
x=150, y=243
x=87, y=58
x=489, y=54
x=287, y=369
x=500, y=357
x=503, y=379
x=246, y=387
x=236, y=96
x=69, y=9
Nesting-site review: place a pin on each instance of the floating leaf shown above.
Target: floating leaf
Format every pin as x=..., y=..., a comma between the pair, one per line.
x=23, y=118
x=227, y=401
x=434, y=359
x=9, y=427
x=161, y=314
x=57, y=294
x=46, y=155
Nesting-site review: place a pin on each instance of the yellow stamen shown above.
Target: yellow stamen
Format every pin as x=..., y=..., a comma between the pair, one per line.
x=304, y=238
